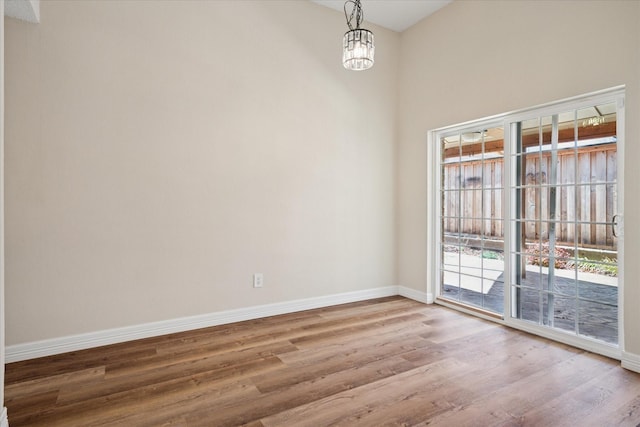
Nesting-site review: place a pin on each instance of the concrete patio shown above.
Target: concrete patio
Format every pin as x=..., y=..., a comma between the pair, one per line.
x=590, y=298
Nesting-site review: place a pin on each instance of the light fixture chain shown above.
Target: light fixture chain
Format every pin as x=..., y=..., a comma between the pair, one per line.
x=356, y=12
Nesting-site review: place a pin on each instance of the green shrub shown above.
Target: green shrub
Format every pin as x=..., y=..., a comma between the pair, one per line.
x=490, y=255
x=590, y=266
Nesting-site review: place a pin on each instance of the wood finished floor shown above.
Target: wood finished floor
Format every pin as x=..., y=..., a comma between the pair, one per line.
x=384, y=362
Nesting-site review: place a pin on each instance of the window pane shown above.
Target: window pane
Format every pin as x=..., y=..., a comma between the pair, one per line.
x=599, y=321
x=529, y=302
x=564, y=312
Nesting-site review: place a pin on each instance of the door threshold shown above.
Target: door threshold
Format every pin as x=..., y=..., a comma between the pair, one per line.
x=469, y=308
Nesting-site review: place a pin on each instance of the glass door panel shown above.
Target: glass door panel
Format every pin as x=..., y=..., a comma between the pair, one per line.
x=471, y=221
x=564, y=248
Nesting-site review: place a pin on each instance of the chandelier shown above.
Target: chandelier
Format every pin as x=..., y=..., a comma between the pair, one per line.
x=357, y=45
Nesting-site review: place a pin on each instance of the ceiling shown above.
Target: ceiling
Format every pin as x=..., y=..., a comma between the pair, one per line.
x=396, y=15
x=27, y=10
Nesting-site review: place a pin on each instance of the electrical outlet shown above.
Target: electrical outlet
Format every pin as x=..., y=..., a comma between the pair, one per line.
x=258, y=280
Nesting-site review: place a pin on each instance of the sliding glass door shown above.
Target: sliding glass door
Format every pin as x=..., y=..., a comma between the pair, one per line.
x=528, y=217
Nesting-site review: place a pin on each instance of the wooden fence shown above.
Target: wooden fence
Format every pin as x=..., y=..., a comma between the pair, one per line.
x=585, y=196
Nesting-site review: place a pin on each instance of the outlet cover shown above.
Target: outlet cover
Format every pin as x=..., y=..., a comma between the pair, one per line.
x=258, y=280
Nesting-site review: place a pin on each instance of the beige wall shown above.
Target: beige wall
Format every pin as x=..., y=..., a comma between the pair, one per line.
x=474, y=59
x=160, y=153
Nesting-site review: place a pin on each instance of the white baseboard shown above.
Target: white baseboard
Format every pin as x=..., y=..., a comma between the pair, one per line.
x=630, y=361
x=4, y=421
x=426, y=298
x=32, y=350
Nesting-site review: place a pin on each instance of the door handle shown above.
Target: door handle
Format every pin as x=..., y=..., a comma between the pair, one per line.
x=614, y=223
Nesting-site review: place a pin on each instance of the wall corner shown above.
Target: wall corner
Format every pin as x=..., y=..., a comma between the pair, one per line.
x=423, y=297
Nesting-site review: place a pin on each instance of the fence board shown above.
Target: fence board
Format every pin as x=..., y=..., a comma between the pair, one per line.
x=568, y=168
x=612, y=199
x=584, y=176
x=599, y=168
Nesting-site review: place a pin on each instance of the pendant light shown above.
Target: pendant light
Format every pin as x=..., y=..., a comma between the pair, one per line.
x=357, y=45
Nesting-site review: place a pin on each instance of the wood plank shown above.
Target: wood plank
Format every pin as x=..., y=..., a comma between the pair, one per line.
x=315, y=351
x=498, y=222
x=544, y=210
x=612, y=209
x=399, y=400
x=220, y=369
x=31, y=404
x=338, y=361
x=591, y=399
x=55, y=382
x=74, y=361
x=584, y=189
x=300, y=394
x=512, y=400
x=628, y=414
